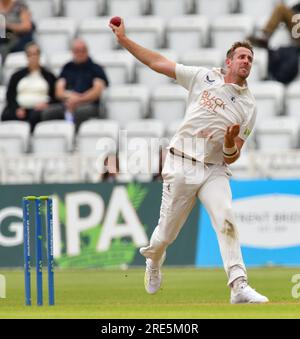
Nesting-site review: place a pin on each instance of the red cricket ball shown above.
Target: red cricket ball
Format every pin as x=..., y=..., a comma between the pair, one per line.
x=116, y=21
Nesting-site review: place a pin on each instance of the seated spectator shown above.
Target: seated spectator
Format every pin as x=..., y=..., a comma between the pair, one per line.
x=281, y=13
x=78, y=88
x=111, y=169
x=19, y=27
x=30, y=90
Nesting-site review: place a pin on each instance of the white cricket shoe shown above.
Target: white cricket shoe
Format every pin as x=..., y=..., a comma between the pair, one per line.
x=245, y=294
x=153, y=277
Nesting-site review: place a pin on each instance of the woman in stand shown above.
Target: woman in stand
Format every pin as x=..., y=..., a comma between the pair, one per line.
x=30, y=90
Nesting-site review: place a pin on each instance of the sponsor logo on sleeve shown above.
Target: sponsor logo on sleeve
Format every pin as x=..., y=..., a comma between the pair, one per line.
x=247, y=132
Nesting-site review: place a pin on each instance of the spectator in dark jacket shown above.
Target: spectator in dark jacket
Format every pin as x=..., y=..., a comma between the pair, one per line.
x=30, y=90
x=79, y=88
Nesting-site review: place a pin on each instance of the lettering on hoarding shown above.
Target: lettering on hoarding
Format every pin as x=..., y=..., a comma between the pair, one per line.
x=2, y=286
x=119, y=220
x=296, y=287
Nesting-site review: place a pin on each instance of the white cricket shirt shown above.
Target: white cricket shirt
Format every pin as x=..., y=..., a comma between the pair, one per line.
x=212, y=106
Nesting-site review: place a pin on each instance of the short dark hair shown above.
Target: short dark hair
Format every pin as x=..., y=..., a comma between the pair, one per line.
x=32, y=44
x=238, y=44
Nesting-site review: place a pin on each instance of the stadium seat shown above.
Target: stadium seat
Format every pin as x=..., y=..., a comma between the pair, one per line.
x=269, y=97
x=102, y=7
x=15, y=61
x=168, y=103
x=127, y=8
x=293, y=99
x=230, y=28
x=214, y=8
x=205, y=57
x=79, y=10
x=172, y=128
x=2, y=26
x=57, y=7
x=255, y=7
x=170, y=8
x=187, y=32
x=259, y=69
x=146, y=128
x=147, y=31
x=277, y=164
x=140, y=162
x=149, y=78
x=118, y=65
x=14, y=137
x=55, y=34
x=139, y=156
x=2, y=99
x=58, y=60
x=97, y=34
x=124, y=175
x=278, y=134
x=98, y=136
x=126, y=102
x=41, y=9
x=54, y=136
x=243, y=168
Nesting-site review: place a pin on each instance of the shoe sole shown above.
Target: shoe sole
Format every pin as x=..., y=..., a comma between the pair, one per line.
x=249, y=302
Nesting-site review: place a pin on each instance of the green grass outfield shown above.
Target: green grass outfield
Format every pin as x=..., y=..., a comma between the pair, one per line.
x=186, y=293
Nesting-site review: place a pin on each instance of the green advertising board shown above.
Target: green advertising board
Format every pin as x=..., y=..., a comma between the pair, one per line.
x=95, y=225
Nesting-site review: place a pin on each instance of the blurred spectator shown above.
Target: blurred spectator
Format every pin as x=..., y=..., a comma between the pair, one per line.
x=283, y=62
x=111, y=169
x=19, y=27
x=30, y=90
x=281, y=14
x=78, y=88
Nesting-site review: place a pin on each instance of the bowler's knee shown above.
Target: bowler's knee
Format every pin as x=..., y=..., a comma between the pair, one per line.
x=228, y=223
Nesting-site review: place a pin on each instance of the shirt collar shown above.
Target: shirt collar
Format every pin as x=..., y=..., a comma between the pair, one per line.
x=221, y=72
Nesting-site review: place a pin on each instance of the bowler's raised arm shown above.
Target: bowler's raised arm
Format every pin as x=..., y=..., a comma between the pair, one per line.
x=152, y=59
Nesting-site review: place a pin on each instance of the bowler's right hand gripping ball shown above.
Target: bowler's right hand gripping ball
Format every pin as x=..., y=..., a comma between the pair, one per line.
x=116, y=21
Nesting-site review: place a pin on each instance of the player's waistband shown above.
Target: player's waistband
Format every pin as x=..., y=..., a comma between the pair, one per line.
x=177, y=153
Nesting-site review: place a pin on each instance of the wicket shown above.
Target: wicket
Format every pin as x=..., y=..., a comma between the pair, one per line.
x=38, y=248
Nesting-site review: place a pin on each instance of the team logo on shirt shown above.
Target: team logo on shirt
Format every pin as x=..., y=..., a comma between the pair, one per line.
x=209, y=81
x=247, y=132
x=211, y=102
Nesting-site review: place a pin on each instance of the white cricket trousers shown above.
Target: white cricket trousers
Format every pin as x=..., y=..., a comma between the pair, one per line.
x=184, y=181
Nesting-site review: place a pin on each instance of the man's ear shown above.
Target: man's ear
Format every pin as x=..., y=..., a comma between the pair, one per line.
x=228, y=62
